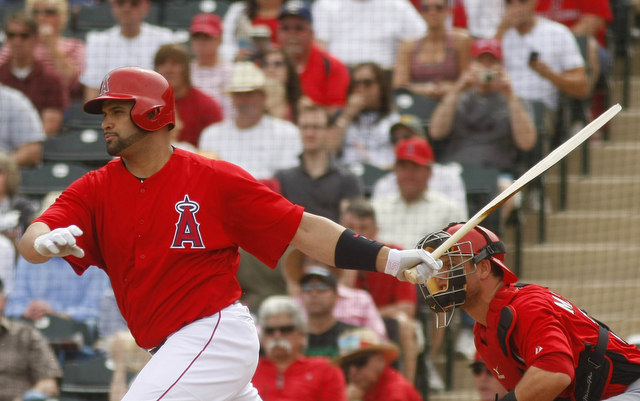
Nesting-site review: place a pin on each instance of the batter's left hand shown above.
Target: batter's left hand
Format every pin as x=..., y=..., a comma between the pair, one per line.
x=59, y=242
x=400, y=261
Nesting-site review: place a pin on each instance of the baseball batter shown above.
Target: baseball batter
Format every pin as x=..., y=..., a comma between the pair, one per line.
x=165, y=225
x=539, y=345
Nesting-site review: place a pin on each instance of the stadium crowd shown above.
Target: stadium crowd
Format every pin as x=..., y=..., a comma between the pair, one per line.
x=315, y=101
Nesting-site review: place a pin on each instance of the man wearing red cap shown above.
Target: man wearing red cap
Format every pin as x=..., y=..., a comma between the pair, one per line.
x=209, y=72
x=414, y=210
x=484, y=121
x=539, y=345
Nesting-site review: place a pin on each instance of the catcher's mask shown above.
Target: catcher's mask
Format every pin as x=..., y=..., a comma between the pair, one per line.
x=447, y=290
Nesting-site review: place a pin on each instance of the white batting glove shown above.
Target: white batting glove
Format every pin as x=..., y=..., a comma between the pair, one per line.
x=59, y=242
x=400, y=261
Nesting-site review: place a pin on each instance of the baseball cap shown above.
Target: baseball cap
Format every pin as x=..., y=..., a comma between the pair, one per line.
x=320, y=273
x=362, y=341
x=206, y=23
x=296, y=8
x=416, y=150
x=246, y=77
x=491, y=46
x=412, y=122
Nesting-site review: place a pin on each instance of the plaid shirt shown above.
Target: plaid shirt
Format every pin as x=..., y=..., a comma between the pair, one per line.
x=26, y=358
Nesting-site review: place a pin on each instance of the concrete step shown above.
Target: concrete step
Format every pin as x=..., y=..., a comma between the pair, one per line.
x=605, y=260
x=586, y=226
x=617, y=86
x=607, y=193
x=604, y=158
x=625, y=126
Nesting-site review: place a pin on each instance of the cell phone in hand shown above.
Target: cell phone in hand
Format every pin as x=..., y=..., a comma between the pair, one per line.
x=533, y=56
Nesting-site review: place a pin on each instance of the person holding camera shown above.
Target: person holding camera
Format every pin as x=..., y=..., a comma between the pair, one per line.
x=485, y=122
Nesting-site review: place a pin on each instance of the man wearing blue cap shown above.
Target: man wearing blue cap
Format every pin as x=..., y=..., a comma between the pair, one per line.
x=324, y=78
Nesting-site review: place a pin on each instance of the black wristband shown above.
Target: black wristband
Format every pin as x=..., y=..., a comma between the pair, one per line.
x=356, y=252
x=510, y=396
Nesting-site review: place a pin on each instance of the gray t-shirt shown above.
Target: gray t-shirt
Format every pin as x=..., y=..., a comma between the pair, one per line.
x=19, y=120
x=481, y=133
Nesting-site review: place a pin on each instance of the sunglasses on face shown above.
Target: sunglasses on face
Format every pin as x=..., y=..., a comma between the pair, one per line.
x=278, y=63
x=513, y=1
x=133, y=3
x=435, y=7
x=293, y=28
x=306, y=287
x=21, y=35
x=479, y=368
x=46, y=11
x=288, y=329
x=360, y=361
x=364, y=82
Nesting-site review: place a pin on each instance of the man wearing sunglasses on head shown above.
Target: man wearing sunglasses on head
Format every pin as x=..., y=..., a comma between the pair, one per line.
x=132, y=42
x=284, y=373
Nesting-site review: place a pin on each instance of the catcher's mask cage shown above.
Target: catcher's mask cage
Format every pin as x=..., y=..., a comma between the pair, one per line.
x=447, y=290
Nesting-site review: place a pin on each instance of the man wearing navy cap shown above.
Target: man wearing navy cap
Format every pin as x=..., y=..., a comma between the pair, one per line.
x=324, y=78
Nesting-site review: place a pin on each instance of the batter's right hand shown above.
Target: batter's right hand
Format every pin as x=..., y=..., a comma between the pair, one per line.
x=59, y=242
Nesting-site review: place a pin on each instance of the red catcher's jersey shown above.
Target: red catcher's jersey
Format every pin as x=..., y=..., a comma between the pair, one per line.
x=549, y=333
x=170, y=243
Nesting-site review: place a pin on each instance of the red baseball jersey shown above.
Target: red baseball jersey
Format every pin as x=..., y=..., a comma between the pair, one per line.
x=548, y=332
x=307, y=378
x=568, y=12
x=170, y=243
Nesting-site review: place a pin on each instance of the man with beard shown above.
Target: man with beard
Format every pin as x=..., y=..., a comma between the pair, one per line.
x=284, y=373
x=166, y=225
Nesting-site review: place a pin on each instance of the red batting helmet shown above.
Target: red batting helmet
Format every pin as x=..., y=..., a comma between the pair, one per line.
x=154, y=105
x=478, y=244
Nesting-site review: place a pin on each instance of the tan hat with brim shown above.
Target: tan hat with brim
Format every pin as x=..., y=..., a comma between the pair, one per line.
x=246, y=77
x=361, y=341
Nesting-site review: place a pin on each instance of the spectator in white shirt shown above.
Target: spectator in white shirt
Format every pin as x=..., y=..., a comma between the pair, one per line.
x=131, y=42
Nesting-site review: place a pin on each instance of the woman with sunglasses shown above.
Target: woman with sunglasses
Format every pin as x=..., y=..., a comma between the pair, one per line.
x=429, y=66
x=63, y=55
x=283, y=85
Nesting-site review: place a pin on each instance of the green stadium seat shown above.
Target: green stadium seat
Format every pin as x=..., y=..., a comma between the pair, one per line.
x=77, y=118
x=50, y=176
x=407, y=102
x=177, y=14
x=84, y=145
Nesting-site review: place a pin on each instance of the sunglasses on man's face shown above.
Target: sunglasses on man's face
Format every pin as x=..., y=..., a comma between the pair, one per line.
x=478, y=368
x=429, y=7
x=21, y=35
x=513, y=1
x=46, y=11
x=288, y=329
x=306, y=287
x=132, y=3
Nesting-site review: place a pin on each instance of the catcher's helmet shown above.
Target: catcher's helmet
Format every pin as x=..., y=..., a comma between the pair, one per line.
x=478, y=244
x=154, y=105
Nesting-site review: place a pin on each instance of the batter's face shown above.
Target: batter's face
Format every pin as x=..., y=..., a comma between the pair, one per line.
x=119, y=130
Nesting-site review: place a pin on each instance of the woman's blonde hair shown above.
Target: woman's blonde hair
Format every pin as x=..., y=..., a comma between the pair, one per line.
x=61, y=5
x=10, y=169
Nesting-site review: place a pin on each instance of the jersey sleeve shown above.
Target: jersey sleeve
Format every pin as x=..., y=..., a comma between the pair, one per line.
x=541, y=337
x=75, y=206
x=256, y=218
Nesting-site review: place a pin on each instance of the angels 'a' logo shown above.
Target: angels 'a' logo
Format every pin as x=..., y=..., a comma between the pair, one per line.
x=187, y=227
x=104, y=87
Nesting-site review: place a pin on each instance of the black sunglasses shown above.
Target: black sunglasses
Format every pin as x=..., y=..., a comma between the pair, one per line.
x=478, y=368
x=134, y=3
x=288, y=329
x=364, y=82
x=21, y=35
x=306, y=287
x=46, y=11
x=427, y=7
x=511, y=1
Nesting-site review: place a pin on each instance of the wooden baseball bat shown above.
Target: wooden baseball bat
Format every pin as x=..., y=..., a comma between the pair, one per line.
x=540, y=167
